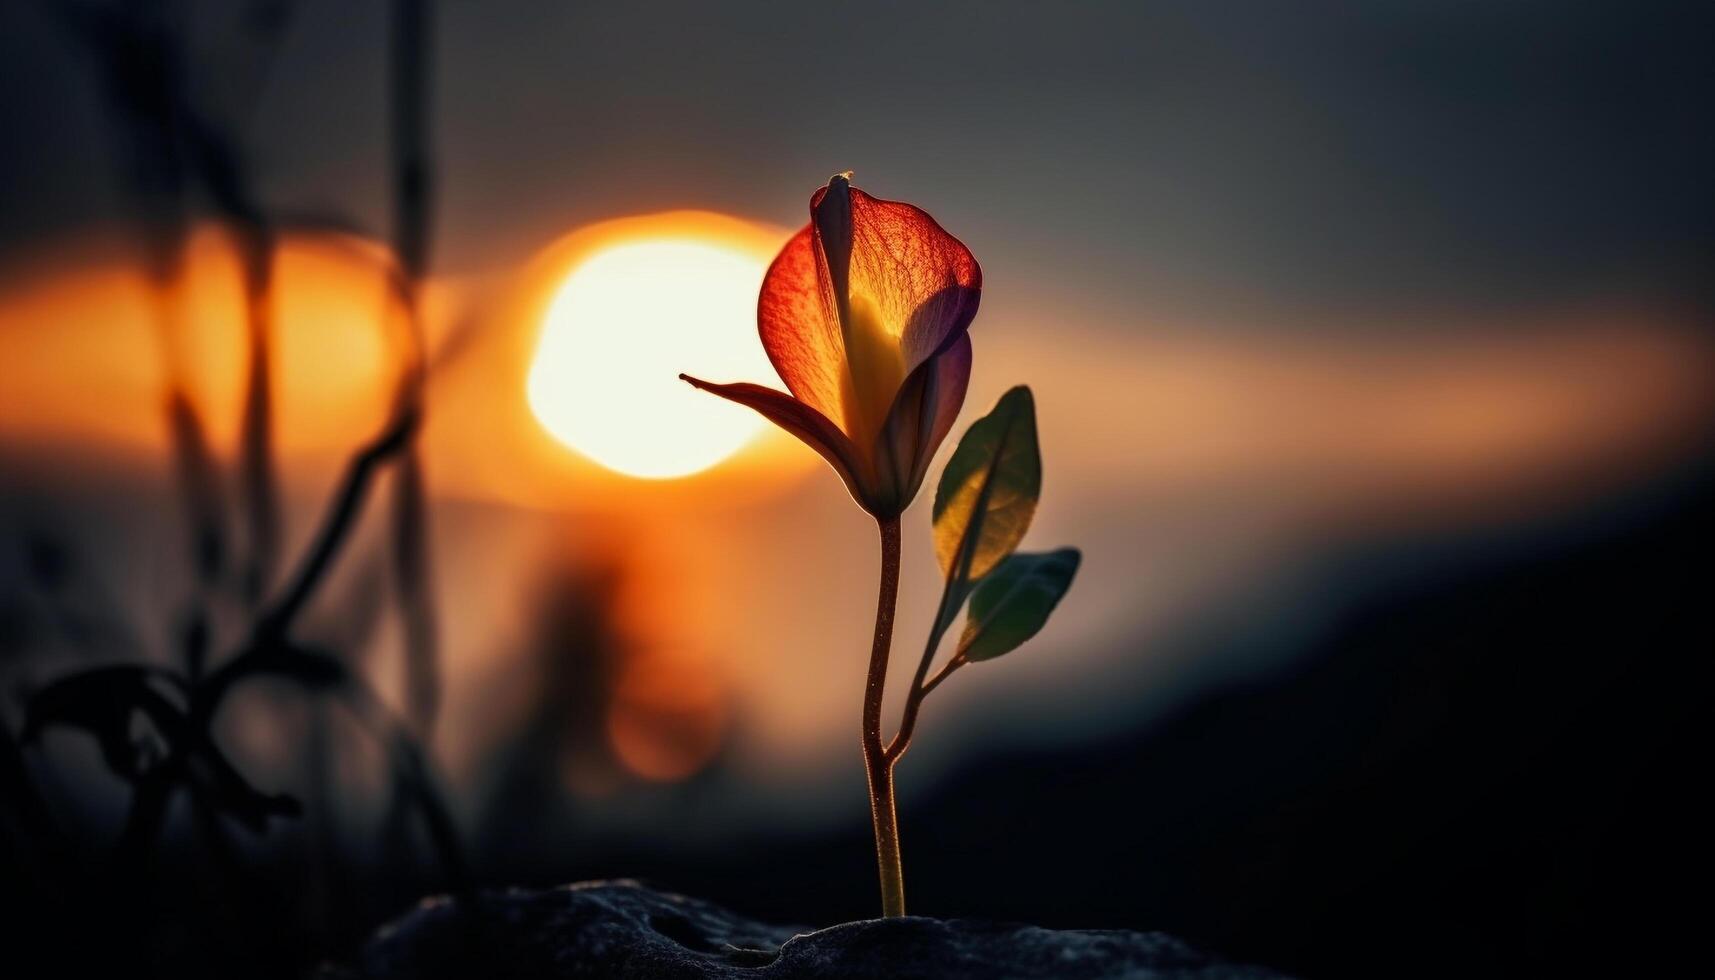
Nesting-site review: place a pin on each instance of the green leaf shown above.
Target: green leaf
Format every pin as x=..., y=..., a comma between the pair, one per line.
x=1013, y=603
x=989, y=489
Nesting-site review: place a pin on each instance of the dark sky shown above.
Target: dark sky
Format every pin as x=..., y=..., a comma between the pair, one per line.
x=1300, y=156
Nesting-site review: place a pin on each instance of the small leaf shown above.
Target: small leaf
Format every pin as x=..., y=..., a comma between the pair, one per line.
x=1013, y=603
x=989, y=489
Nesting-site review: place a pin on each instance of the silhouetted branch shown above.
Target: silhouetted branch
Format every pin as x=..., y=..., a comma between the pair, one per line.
x=199, y=477
x=337, y=523
x=410, y=98
x=259, y=480
x=412, y=196
x=317, y=671
x=411, y=563
x=169, y=147
x=218, y=162
x=416, y=777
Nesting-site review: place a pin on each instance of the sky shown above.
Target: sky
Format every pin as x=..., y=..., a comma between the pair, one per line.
x=1283, y=277
x=1372, y=358
x=1242, y=157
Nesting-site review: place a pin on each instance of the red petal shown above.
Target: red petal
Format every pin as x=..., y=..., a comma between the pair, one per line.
x=920, y=419
x=953, y=371
x=916, y=274
x=800, y=330
x=810, y=426
x=923, y=283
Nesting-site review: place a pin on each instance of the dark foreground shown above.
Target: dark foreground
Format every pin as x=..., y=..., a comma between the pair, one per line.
x=622, y=929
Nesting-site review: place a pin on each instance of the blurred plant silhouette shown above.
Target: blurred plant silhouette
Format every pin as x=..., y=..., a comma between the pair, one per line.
x=864, y=315
x=180, y=144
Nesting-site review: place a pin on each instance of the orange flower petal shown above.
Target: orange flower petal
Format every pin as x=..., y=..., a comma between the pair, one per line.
x=924, y=282
x=920, y=284
x=800, y=328
x=810, y=426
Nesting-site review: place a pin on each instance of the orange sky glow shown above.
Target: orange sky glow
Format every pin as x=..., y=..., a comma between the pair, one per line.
x=1323, y=429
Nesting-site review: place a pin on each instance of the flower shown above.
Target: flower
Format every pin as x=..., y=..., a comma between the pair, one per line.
x=864, y=315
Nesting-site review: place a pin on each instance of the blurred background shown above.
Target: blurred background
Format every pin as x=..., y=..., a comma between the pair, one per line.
x=357, y=543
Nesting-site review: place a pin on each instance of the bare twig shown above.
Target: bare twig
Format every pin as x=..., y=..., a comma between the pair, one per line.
x=415, y=776
x=169, y=148
x=258, y=476
x=413, y=217
x=337, y=523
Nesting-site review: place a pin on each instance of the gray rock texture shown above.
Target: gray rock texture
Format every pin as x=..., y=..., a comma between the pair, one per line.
x=622, y=929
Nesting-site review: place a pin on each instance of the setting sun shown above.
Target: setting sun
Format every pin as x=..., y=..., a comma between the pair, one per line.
x=620, y=328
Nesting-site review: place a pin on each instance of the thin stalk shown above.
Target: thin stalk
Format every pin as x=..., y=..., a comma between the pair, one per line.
x=920, y=688
x=880, y=768
x=337, y=523
x=414, y=771
x=914, y=703
x=953, y=595
x=413, y=176
x=257, y=471
x=941, y=675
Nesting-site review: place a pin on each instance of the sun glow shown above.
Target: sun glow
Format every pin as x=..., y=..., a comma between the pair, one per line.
x=624, y=323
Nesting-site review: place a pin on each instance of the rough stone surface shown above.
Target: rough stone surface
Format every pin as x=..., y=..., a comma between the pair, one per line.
x=622, y=929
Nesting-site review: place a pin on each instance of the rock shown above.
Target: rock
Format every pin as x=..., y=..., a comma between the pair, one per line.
x=622, y=929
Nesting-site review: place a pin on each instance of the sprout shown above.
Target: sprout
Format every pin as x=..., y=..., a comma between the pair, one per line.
x=864, y=315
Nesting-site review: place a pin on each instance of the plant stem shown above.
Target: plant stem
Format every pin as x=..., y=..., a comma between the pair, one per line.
x=880, y=767
x=944, y=614
x=920, y=689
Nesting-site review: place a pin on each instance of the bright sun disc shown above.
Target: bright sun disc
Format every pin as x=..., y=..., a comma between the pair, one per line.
x=623, y=325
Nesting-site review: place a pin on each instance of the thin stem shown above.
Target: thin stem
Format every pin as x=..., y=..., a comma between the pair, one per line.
x=259, y=478
x=914, y=701
x=942, y=674
x=336, y=523
x=415, y=771
x=413, y=177
x=952, y=597
x=880, y=768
